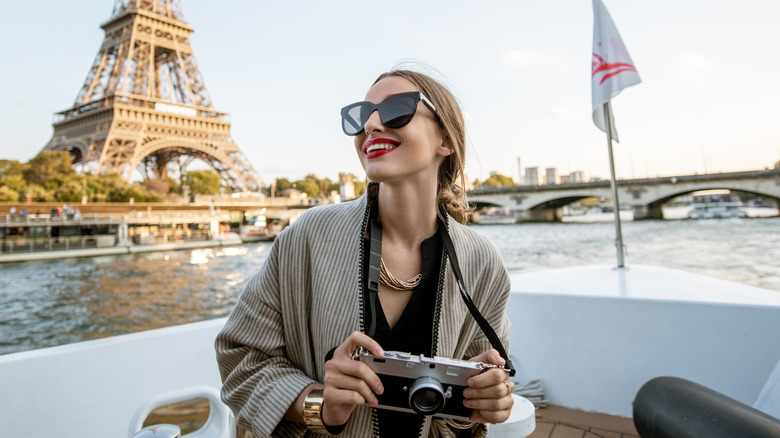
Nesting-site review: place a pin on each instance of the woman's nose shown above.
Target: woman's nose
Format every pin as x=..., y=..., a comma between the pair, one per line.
x=374, y=122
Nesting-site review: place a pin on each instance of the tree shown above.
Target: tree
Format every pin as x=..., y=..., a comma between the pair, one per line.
x=15, y=182
x=203, y=182
x=498, y=180
x=137, y=193
x=282, y=184
x=48, y=166
x=8, y=194
x=71, y=191
x=309, y=185
x=38, y=193
x=10, y=168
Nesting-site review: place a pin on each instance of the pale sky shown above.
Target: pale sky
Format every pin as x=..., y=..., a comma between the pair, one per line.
x=709, y=98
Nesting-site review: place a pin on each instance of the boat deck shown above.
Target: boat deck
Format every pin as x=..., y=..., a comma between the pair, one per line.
x=559, y=422
x=551, y=422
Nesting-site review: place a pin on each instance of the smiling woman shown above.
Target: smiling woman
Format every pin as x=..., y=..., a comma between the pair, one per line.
x=401, y=295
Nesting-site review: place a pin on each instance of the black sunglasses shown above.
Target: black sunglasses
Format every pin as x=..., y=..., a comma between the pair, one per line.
x=395, y=112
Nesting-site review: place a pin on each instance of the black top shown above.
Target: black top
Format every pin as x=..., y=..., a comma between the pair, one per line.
x=413, y=333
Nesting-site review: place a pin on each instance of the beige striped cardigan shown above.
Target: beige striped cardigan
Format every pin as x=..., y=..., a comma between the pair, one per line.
x=306, y=300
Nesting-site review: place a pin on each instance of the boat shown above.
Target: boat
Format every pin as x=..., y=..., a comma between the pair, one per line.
x=51, y=236
x=592, y=335
x=716, y=204
x=255, y=230
x=493, y=216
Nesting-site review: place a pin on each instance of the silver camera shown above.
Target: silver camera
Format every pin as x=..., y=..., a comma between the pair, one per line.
x=427, y=386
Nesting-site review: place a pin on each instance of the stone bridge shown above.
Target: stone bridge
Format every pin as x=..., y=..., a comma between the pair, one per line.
x=645, y=196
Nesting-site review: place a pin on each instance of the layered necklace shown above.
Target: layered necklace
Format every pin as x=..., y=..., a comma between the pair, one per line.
x=387, y=278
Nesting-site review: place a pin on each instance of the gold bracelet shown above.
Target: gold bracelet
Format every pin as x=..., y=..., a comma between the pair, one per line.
x=459, y=425
x=312, y=410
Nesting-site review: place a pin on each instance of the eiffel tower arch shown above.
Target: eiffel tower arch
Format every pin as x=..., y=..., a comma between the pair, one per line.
x=144, y=104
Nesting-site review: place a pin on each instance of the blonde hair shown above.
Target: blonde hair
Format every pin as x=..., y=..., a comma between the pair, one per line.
x=450, y=191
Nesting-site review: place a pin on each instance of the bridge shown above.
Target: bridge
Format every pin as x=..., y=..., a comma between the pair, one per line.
x=645, y=196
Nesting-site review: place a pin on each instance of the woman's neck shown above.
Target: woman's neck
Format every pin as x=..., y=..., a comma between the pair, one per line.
x=408, y=213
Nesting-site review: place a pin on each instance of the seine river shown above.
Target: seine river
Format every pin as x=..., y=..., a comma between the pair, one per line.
x=55, y=302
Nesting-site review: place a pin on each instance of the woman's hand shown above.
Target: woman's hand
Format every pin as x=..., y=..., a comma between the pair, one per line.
x=348, y=382
x=489, y=394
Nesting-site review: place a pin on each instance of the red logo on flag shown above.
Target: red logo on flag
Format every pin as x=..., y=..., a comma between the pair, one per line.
x=599, y=65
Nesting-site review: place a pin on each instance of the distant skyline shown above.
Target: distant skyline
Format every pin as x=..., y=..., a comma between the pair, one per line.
x=708, y=100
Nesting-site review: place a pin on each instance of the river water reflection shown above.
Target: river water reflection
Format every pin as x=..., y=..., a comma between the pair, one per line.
x=55, y=302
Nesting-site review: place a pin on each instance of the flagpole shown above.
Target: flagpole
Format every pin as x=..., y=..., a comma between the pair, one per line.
x=613, y=181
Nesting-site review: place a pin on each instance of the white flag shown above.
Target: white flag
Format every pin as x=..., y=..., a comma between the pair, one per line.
x=612, y=67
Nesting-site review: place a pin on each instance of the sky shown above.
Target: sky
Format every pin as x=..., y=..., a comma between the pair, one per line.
x=708, y=102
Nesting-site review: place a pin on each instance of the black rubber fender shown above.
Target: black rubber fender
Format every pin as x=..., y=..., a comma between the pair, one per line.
x=672, y=407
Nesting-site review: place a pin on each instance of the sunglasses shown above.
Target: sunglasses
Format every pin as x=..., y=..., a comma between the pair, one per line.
x=395, y=112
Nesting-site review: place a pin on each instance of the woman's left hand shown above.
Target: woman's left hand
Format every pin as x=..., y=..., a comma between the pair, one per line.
x=489, y=394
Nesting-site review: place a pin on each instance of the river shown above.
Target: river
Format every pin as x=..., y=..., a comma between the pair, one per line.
x=47, y=303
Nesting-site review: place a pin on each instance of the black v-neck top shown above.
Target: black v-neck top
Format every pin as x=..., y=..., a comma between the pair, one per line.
x=413, y=333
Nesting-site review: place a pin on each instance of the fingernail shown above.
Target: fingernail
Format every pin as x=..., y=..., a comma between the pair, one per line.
x=379, y=352
x=380, y=390
x=374, y=402
x=467, y=403
x=470, y=382
x=467, y=393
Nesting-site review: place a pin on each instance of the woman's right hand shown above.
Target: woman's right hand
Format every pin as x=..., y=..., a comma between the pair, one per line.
x=348, y=382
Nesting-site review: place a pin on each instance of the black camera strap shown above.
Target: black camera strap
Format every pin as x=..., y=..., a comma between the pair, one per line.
x=483, y=324
x=375, y=255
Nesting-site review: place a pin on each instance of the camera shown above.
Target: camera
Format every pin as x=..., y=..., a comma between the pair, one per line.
x=427, y=386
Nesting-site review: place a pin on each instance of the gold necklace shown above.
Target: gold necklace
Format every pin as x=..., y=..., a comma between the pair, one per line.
x=387, y=278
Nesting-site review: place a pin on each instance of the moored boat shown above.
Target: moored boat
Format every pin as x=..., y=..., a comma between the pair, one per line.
x=716, y=205
x=48, y=236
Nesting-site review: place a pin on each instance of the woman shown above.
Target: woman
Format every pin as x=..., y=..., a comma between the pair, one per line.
x=286, y=352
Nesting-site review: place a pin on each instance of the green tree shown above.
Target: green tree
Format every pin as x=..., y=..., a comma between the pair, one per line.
x=71, y=191
x=203, y=182
x=498, y=180
x=10, y=168
x=282, y=184
x=8, y=194
x=15, y=182
x=47, y=166
x=38, y=193
x=137, y=193
x=309, y=185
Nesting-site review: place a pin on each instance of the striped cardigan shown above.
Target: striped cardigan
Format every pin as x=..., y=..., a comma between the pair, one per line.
x=306, y=300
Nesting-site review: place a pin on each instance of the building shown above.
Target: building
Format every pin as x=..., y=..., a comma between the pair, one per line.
x=551, y=176
x=532, y=176
x=577, y=176
x=347, y=188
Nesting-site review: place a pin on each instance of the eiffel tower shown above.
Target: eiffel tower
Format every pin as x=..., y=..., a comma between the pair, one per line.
x=144, y=104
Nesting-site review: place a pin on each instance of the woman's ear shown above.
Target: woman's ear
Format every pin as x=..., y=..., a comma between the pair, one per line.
x=445, y=148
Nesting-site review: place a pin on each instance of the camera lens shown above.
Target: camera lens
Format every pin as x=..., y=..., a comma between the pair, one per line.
x=426, y=396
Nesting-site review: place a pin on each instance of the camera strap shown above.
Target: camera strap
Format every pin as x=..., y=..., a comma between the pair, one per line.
x=375, y=255
x=483, y=324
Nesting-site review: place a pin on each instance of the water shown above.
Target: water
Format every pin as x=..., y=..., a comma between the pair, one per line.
x=56, y=302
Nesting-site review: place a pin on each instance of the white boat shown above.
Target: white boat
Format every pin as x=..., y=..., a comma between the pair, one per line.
x=593, y=335
x=716, y=205
x=255, y=230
